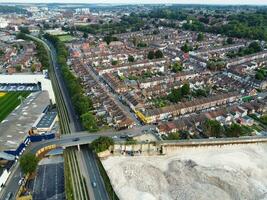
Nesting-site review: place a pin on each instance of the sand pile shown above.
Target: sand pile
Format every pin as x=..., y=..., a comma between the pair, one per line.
x=230, y=172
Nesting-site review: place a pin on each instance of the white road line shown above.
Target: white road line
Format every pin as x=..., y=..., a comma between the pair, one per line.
x=43, y=183
x=56, y=182
x=94, y=172
x=34, y=183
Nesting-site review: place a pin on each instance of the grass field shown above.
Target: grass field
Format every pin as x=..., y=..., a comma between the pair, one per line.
x=9, y=101
x=65, y=38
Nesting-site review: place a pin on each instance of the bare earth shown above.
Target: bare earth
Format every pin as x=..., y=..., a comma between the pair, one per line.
x=221, y=173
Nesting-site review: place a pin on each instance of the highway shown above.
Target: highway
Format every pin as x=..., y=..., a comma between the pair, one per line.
x=95, y=176
x=76, y=127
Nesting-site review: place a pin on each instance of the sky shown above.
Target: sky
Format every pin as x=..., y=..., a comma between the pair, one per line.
x=242, y=2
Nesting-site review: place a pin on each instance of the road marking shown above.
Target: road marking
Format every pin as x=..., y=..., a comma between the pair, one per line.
x=56, y=183
x=34, y=183
x=43, y=183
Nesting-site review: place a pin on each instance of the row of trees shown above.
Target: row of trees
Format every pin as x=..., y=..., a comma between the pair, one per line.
x=250, y=25
x=82, y=104
x=213, y=128
x=253, y=47
x=132, y=22
x=41, y=51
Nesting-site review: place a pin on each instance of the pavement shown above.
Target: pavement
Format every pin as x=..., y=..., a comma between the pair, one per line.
x=99, y=190
x=49, y=182
x=12, y=183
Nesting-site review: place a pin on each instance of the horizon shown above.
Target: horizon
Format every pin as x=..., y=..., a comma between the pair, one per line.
x=144, y=2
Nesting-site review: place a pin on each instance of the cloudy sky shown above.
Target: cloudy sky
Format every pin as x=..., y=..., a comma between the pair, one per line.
x=258, y=2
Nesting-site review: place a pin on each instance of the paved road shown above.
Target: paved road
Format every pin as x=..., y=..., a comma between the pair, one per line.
x=73, y=117
x=100, y=192
x=12, y=183
x=49, y=182
x=114, y=96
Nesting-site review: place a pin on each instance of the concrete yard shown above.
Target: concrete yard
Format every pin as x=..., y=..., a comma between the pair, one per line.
x=221, y=173
x=49, y=182
x=15, y=127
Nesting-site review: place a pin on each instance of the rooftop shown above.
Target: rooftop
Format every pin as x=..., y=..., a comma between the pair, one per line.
x=46, y=120
x=15, y=127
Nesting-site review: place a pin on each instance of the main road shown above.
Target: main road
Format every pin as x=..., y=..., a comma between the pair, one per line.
x=76, y=127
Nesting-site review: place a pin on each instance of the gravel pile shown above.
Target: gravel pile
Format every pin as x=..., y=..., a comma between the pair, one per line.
x=231, y=172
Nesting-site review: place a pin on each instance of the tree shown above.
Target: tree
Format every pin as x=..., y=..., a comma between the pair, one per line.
x=131, y=58
x=102, y=144
x=234, y=130
x=230, y=40
x=254, y=47
x=89, y=122
x=176, y=67
x=200, y=37
x=28, y=163
x=173, y=136
x=212, y=128
x=158, y=54
x=18, y=68
x=85, y=35
x=215, y=65
x=186, y=48
x=109, y=39
x=259, y=75
x=151, y=55
x=24, y=30
x=185, y=89
x=175, y=95
x=33, y=68
x=114, y=62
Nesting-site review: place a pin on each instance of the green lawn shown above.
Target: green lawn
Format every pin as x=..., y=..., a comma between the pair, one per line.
x=65, y=38
x=9, y=102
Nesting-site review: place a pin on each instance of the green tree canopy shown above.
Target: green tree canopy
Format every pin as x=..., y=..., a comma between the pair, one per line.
x=131, y=58
x=185, y=89
x=200, y=37
x=176, y=67
x=212, y=128
x=158, y=54
x=151, y=55
x=234, y=130
x=186, y=48
x=89, y=122
x=28, y=163
x=102, y=144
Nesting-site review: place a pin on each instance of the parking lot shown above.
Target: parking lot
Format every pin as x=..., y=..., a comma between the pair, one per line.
x=49, y=182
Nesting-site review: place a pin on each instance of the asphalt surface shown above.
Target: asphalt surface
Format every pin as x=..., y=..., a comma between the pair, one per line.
x=100, y=192
x=49, y=182
x=73, y=117
x=12, y=183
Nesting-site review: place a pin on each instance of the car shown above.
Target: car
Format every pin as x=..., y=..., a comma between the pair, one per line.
x=94, y=184
x=8, y=196
x=75, y=139
x=123, y=136
x=21, y=181
x=114, y=137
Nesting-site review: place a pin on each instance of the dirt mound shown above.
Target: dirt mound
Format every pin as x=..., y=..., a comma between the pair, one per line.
x=227, y=173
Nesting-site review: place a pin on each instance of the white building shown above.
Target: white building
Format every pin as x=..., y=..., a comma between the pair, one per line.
x=46, y=84
x=3, y=23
